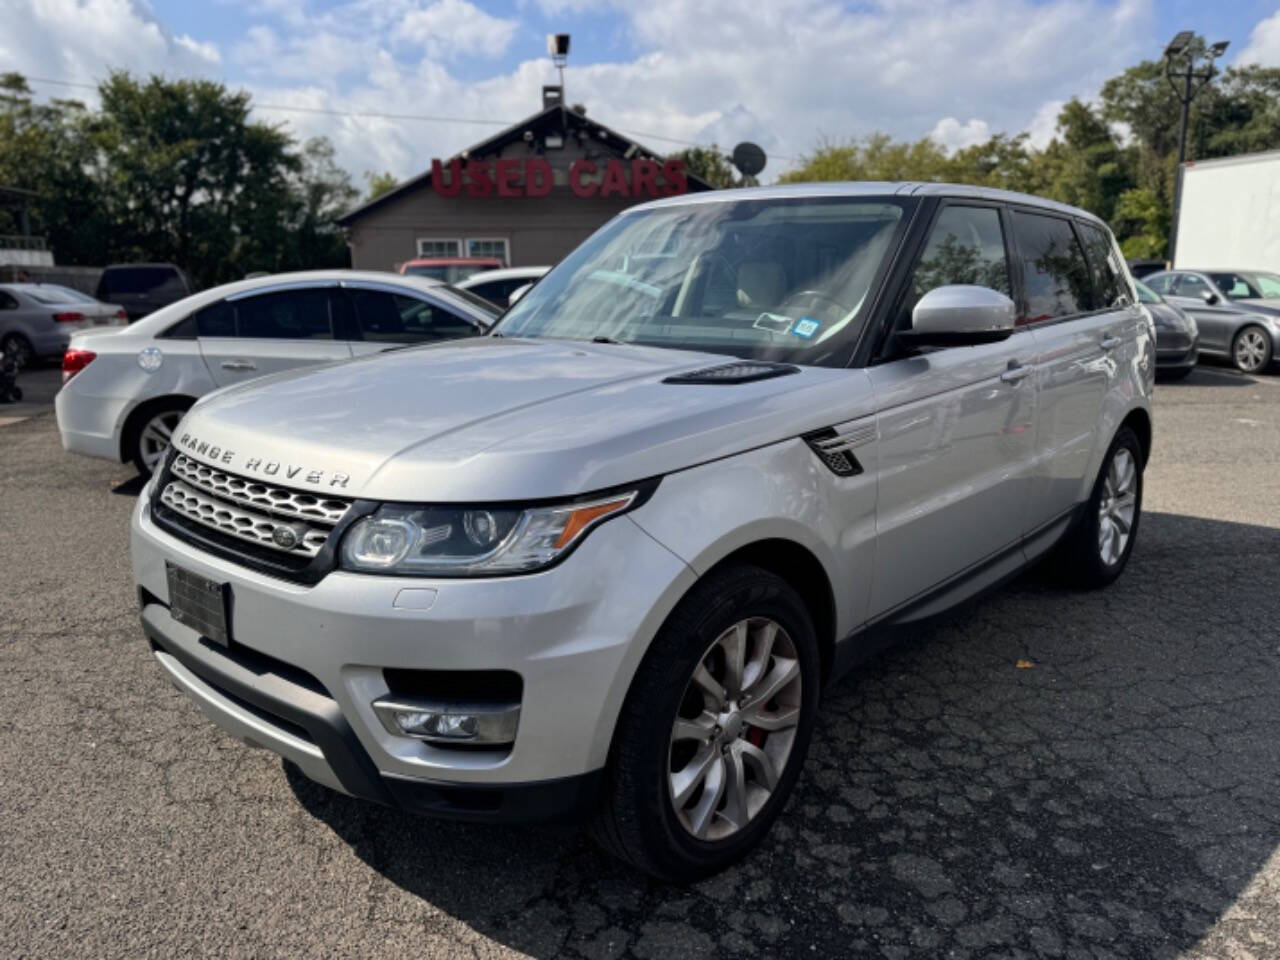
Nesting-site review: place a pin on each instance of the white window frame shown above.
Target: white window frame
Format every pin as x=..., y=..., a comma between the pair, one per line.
x=458, y=246
x=506, y=247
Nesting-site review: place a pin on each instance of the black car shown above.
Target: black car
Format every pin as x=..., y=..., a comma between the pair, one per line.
x=1177, y=338
x=142, y=288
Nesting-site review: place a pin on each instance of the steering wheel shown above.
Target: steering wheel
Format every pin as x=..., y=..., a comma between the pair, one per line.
x=815, y=297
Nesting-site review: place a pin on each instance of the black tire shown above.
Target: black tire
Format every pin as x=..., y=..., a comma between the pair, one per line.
x=1253, y=330
x=15, y=394
x=1172, y=376
x=18, y=348
x=1080, y=556
x=134, y=438
x=637, y=820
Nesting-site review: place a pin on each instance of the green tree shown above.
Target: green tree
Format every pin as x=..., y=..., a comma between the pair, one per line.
x=379, y=183
x=713, y=166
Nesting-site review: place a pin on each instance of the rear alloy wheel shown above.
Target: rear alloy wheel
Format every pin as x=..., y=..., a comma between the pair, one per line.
x=715, y=728
x=18, y=348
x=1098, y=549
x=1251, y=350
x=153, y=436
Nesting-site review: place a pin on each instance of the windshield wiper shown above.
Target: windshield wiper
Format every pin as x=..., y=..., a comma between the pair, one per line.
x=604, y=340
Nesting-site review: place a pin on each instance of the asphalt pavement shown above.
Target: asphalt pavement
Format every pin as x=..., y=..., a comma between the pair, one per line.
x=1045, y=773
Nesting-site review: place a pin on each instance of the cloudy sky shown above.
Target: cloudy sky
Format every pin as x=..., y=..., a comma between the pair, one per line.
x=785, y=73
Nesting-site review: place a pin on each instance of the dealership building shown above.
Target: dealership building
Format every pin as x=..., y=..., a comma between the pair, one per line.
x=527, y=195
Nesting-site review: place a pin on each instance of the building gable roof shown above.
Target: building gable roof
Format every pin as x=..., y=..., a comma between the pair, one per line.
x=554, y=119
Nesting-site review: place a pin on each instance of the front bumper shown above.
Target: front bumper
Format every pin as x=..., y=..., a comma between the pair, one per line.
x=306, y=664
x=1176, y=350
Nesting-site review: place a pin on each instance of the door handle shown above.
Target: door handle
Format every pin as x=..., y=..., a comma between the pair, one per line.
x=1015, y=373
x=1109, y=342
x=239, y=365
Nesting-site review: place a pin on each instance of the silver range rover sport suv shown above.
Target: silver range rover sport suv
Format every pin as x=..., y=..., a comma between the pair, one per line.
x=603, y=562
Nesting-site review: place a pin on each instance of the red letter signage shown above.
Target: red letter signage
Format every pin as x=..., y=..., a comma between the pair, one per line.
x=538, y=178
x=455, y=177
x=582, y=167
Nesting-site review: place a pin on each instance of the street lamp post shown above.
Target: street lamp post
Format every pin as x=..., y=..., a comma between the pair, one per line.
x=1192, y=82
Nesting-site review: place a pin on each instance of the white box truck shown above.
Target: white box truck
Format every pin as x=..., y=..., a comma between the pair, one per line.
x=1229, y=214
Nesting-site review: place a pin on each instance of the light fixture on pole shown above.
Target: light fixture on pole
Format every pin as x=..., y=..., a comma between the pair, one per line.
x=558, y=48
x=1196, y=72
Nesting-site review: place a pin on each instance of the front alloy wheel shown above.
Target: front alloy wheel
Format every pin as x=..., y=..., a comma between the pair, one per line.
x=714, y=730
x=734, y=729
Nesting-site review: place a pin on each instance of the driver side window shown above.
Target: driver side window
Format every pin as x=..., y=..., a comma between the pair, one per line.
x=966, y=245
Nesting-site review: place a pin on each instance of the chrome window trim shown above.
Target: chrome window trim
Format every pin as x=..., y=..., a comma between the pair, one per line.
x=280, y=288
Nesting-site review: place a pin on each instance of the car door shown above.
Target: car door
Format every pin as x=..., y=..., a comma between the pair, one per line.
x=1216, y=321
x=264, y=331
x=955, y=425
x=1079, y=309
x=387, y=318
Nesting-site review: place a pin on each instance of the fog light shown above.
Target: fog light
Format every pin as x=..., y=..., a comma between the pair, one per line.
x=493, y=724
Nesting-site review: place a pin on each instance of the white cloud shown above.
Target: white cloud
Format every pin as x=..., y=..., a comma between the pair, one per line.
x=205, y=51
x=1264, y=43
x=953, y=135
x=788, y=75
x=82, y=40
x=456, y=28
x=1044, y=125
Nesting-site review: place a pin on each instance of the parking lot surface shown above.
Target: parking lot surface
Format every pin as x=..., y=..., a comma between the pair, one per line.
x=1044, y=773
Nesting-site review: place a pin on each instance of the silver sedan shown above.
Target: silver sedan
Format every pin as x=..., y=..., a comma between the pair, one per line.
x=38, y=319
x=1237, y=311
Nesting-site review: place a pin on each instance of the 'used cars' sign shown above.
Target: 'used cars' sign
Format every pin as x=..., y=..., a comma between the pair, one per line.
x=533, y=177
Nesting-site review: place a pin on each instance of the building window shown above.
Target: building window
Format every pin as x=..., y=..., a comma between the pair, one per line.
x=439, y=247
x=488, y=247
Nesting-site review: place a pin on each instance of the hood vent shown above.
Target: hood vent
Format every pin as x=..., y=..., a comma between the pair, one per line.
x=739, y=371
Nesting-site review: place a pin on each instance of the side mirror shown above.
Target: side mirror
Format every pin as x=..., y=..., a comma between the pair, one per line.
x=960, y=315
x=1209, y=297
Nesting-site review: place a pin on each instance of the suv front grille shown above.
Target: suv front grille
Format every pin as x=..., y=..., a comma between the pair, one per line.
x=251, y=510
x=255, y=495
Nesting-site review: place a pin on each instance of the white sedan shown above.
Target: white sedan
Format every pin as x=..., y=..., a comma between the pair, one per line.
x=124, y=392
x=501, y=286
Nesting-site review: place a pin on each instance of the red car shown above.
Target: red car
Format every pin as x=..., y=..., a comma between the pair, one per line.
x=449, y=269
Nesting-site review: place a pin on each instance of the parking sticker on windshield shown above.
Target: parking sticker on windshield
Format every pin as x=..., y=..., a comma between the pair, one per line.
x=774, y=322
x=806, y=327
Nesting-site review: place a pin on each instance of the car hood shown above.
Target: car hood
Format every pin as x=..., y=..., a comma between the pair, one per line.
x=1169, y=317
x=494, y=419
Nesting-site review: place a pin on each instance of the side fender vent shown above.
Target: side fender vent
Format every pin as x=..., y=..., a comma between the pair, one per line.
x=739, y=371
x=836, y=449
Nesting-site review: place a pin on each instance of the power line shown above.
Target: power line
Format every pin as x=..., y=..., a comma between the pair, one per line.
x=418, y=117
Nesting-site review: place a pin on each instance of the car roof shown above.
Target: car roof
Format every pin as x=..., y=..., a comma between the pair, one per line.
x=866, y=188
x=504, y=273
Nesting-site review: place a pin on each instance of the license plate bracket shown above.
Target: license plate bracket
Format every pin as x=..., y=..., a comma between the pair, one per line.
x=199, y=603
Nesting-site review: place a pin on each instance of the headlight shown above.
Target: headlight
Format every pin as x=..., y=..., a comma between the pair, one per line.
x=415, y=540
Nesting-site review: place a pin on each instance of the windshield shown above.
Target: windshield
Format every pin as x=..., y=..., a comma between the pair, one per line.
x=1146, y=294
x=758, y=279
x=1248, y=286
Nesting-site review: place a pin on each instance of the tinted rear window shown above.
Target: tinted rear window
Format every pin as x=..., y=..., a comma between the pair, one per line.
x=288, y=315
x=1055, y=272
x=139, y=280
